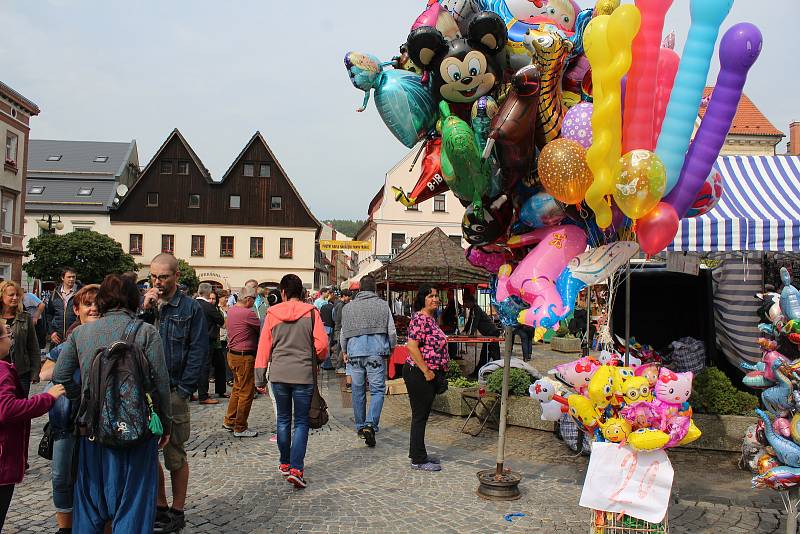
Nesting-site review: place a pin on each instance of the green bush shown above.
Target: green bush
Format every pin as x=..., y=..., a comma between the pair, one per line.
x=462, y=382
x=453, y=371
x=713, y=392
x=518, y=382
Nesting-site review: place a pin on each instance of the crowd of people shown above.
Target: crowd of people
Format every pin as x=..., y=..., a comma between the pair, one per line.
x=121, y=359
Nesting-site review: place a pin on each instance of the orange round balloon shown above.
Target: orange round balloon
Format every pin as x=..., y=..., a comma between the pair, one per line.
x=563, y=171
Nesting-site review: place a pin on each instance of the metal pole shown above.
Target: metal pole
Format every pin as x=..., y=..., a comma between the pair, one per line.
x=501, y=439
x=588, y=319
x=627, y=313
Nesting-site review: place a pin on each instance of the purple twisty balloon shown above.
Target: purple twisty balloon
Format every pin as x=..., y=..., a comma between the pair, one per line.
x=738, y=51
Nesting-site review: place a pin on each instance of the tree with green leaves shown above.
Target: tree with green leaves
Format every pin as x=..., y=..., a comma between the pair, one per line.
x=188, y=277
x=91, y=254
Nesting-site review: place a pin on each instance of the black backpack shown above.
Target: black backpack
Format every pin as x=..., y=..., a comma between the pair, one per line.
x=118, y=409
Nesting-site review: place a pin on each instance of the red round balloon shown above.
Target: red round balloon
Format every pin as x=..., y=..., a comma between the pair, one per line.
x=657, y=228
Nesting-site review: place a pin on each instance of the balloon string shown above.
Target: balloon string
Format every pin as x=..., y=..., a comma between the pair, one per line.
x=421, y=148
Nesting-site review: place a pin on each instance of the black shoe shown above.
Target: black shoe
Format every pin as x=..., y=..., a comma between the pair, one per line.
x=175, y=522
x=369, y=435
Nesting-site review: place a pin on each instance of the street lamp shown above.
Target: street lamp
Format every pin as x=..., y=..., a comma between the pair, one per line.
x=49, y=223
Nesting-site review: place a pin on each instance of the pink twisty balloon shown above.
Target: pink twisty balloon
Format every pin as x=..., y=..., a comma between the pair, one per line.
x=738, y=51
x=637, y=130
x=668, y=62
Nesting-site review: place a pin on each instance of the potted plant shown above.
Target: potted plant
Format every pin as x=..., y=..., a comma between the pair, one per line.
x=564, y=341
x=522, y=409
x=450, y=401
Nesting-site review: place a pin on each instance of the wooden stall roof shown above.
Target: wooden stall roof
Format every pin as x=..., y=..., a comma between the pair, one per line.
x=433, y=258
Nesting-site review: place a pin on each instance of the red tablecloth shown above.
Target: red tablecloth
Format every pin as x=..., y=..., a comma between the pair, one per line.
x=398, y=357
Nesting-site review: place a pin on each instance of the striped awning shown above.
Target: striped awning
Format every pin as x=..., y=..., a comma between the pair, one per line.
x=759, y=209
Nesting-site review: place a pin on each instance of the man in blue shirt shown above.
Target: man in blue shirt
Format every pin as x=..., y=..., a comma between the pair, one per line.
x=368, y=337
x=182, y=324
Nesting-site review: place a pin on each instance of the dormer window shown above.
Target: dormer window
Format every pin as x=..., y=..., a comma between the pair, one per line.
x=36, y=190
x=101, y=159
x=54, y=157
x=85, y=191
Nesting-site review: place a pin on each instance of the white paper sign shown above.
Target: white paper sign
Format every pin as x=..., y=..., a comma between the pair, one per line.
x=620, y=479
x=683, y=263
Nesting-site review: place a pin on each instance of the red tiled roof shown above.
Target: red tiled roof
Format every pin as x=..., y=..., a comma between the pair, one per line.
x=748, y=120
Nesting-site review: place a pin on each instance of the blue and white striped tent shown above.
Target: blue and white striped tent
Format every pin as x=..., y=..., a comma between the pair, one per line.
x=759, y=209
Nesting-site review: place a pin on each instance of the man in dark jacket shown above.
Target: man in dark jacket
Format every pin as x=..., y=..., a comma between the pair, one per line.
x=336, y=357
x=182, y=324
x=214, y=320
x=59, y=312
x=477, y=321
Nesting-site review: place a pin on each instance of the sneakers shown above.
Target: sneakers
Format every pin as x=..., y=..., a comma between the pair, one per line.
x=249, y=433
x=273, y=438
x=427, y=466
x=226, y=427
x=169, y=521
x=284, y=469
x=368, y=434
x=296, y=478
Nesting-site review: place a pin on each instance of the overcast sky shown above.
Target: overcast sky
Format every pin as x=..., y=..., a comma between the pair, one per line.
x=218, y=71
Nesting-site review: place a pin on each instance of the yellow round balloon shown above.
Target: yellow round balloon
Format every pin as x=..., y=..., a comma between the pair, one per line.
x=640, y=183
x=563, y=171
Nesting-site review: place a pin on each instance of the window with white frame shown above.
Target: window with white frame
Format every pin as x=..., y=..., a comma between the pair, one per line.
x=7, y=218
x=440, y=203
x=12, y=143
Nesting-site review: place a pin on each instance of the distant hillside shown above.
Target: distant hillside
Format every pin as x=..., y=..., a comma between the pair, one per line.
x=345, y=226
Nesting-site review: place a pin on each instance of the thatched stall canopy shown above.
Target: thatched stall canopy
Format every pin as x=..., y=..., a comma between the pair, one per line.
x=433, y=258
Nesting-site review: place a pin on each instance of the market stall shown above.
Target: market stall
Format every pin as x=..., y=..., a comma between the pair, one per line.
x=431, y=258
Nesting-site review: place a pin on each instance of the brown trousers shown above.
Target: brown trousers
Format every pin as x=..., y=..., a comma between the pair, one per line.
x=244, y=384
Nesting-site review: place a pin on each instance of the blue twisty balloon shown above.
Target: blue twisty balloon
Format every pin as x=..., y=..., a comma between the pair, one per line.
x=509, y=309
x=404, y=103
x=687, y=92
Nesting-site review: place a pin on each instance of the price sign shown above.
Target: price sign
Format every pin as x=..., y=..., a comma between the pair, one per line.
x=636, y=483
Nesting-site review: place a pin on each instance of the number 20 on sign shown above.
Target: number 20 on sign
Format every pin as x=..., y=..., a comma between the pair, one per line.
x=637, y=483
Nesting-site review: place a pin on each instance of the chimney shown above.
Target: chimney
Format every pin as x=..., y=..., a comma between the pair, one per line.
x=794, y=139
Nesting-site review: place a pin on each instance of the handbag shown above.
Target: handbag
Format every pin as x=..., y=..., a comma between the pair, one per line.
x=46, y=444
x=318, y=411
x=440, y=382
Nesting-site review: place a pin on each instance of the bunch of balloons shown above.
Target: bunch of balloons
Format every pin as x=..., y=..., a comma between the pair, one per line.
x=560, y=128
x=771, y=449
x=645, y=407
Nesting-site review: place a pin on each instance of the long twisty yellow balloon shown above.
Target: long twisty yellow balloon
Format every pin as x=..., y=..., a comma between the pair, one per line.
x=607, y=41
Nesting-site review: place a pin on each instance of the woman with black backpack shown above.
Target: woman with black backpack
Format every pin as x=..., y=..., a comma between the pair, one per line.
x=117, y=477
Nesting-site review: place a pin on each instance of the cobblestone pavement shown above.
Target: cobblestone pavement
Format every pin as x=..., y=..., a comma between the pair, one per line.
x=235, y=485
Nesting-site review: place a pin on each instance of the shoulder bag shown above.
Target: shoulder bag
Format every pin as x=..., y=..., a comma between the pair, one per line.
x=318, y=412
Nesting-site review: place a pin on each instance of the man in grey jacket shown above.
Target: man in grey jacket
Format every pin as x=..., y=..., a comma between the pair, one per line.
x=367, y=338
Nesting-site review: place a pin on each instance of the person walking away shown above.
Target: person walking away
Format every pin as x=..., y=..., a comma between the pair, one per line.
x=184, y=336
x=16, y=412
x=525, y=334
x=25, y=354
x=214, y=320
x=427, y=349
x=261, y=305
x=337, y=330
x=116, y=484
x=368, y=337
x=293, y=334
x=35, y=308
x=477, y=321
x=326, y=312
x=59, y=307
x=243, y=330
x=62, y=415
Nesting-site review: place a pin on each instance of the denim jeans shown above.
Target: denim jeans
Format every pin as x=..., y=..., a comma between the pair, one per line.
x=373, y=369
x=525, y=334
x=292, y=446
x=63, y=491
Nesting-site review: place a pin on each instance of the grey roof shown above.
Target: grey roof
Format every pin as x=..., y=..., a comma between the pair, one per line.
x=62, y=196
x=78, y=157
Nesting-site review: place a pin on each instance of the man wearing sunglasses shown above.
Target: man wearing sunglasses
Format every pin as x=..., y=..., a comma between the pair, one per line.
x=182, y=324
